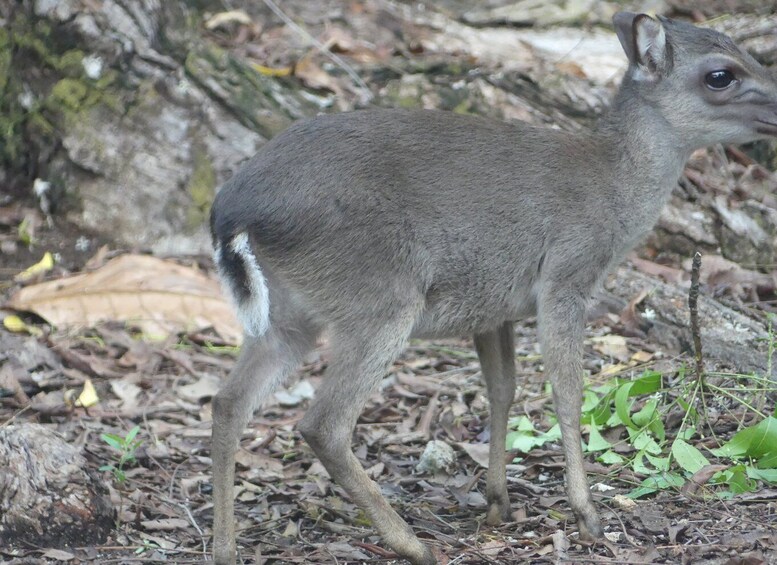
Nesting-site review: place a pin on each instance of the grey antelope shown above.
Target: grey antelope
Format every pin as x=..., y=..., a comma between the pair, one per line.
x=378, y=226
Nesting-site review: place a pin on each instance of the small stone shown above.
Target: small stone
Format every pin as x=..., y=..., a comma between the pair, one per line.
x=624, y=502
x=438, y=457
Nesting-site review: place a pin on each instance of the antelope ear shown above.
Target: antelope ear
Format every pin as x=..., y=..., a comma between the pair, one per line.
x=644, y=41
x=623, y=22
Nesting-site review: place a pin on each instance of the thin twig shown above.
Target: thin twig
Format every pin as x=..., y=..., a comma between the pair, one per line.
x=693, y=298
x=366, y=95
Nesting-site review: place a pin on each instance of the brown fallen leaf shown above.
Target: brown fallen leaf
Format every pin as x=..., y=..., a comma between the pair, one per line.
x=165, y=524
x=159, y=296
x=700, y=478
x=477, y=451
x=98, y=259
x=58, y=555
x=721, y=273
x=669, y=274
x=313, y=76
x=631, y=319
x=612, y=345
x=224, y=18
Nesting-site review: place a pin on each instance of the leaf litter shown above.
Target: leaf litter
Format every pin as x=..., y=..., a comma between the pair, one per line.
x=290, y=511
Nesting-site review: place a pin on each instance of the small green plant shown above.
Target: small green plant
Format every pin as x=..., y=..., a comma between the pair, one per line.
x=635, y=410
x=148, y=545
x=125, y=453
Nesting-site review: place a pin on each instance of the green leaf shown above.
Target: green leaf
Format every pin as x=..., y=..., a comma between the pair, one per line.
x=646, y=414
x=113, y=440
x=595, y=440
x=690, y=410
x=687, y=433
x=638, y=464
x=553, y=434
x=768, y=461
x=687, y=456
x=657, y=427
x=754, y=441
x=523, y=442
x=641, y=440
x=521, y=424
x=590, y=401
x=738, y=480
x=656, y=483
x=610, y=458
x=106, y=468
x=131, y=434
x=623, y=404
x=768, y=475
x=603, y=412
x=649, y=382
x=660, y=463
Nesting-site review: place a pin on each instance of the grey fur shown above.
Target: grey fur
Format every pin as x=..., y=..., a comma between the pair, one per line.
x=382, y=225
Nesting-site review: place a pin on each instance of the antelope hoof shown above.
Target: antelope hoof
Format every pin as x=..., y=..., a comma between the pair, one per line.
x=498, y=514
x=223, y=556
x=590, y=527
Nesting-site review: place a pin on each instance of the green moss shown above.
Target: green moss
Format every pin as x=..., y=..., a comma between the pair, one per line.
x=249, y=94
x=5, y=59
x=201, y=188
x=107, y=79
x=27, y=44
x=70, y=63
x=463, y=107
x=70, y=93
x=41, y=124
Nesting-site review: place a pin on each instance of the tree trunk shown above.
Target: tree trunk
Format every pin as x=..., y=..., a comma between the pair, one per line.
x=48, y=496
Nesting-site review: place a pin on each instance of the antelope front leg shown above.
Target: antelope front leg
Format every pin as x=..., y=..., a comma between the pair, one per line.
x=561, y=317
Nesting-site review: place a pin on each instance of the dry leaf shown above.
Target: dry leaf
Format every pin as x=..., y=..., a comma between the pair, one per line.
x=631, y=319
x=571, y=68
x=88, y=396
x=17, y=325
x=126, y=391
x=612, y=346
x=206, y=387
x=612, y=369
x=477, y=451
x=719, y=272
x=642, y=356
x=669, y=274
x=313, y=76
x=98, y=259
x=39, y=268
x=159, y=296
x=165, y=524
x=58, y=555
x=272, y=71
x=260, y=465
x=224, y=18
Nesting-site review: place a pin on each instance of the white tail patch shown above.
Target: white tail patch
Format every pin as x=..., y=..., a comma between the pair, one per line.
x=253, y=313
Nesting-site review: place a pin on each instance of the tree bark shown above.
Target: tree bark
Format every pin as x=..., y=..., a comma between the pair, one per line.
x=48, y=496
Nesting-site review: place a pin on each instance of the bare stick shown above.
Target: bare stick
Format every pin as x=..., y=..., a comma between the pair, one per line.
x=366, y=95
x=693, y=297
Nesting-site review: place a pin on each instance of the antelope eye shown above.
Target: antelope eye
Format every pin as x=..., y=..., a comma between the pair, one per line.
x=718, y=80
